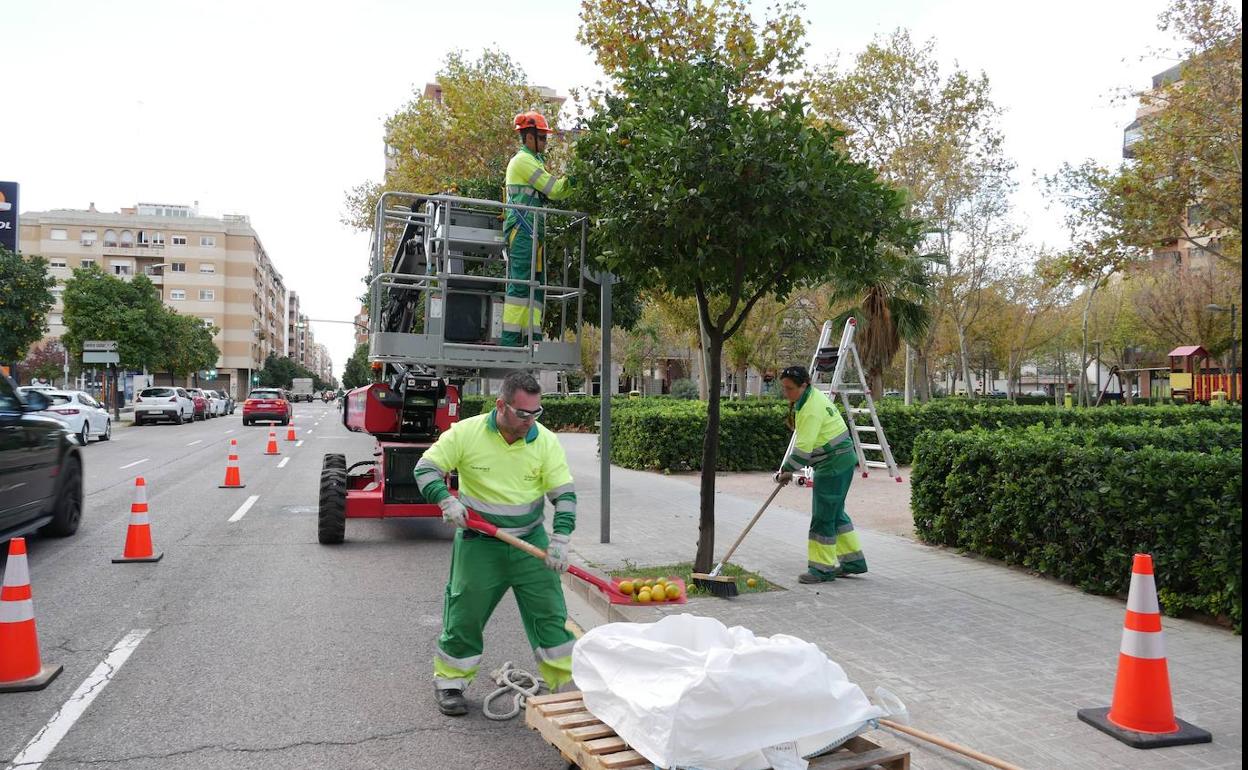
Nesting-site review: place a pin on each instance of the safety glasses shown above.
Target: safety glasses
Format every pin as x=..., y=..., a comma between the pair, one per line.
x=525, y=414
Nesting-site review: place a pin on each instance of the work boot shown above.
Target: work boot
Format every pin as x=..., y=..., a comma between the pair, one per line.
x=451, y=702
x=809, y=577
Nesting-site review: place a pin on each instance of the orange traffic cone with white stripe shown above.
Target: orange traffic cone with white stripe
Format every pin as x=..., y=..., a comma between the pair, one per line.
x=139, y=534
x=271, y=449
x=1142, y=712
x=290, y=431
x=20, y=666
x=233, y=480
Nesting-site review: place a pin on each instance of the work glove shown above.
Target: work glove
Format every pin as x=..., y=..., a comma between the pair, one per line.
x=782, y=477
x=557, y=552
x=453, y=511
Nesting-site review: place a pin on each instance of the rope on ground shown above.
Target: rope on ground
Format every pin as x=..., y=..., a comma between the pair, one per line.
x=520, y=684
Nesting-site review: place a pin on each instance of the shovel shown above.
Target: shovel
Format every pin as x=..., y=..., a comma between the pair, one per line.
x=607, y=588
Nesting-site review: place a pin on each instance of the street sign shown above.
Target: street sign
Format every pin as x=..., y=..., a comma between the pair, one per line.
x=9, y=231
x=600, y=277
x=89, y=357
x=99, y=346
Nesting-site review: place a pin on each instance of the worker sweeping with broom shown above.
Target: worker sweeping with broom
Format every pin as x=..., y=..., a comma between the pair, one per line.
x=822, y=442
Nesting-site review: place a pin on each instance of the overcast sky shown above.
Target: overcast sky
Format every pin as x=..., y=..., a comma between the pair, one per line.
x=275, y=109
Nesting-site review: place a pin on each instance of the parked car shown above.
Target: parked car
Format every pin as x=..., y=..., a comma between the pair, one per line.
x=203, y=406
x=892, y=394
x=83, y=416
x=1037, y=394
x=40, y=467
x=40, y=388
x=267, y=405
x=163, y=403
x=998, y=394
x=216, y=404
x=227, y=402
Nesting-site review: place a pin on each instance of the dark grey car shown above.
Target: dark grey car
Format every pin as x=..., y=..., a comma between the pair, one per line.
x=40, y=468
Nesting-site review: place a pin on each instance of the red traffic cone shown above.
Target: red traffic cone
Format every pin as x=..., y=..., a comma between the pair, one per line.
x=272, y=447
x=290, y=432
x=1142, y=713
x=139, y=534
x=20, y=666
x=232, y=478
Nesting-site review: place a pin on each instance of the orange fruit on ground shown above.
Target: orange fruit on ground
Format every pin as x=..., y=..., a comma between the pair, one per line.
x=644, y=596
x=751, y=582
x=673, y=592
x=626, y=587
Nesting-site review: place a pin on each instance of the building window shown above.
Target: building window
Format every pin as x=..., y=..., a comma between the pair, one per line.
x=127, y=239
x=208, y=240
x=87, y=237
x=54, y=319
x=177, y=267
x=110, y=238
x=59, y=234
x=208, y=323
x=177, y=294
x=58, y=263
x=86, y=263
x=122, y=268
x=179, y=240
x=207, y=267
x=206, y=295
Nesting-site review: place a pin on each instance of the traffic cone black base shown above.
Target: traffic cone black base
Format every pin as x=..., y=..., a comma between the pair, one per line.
x=1187, y=733
x=36, y=682
x=154, y=557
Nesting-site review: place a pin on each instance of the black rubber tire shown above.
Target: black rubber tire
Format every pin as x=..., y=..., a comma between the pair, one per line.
x=108, y=431
x=178, y=419
x=67, y=510
x=332, y=510
x=138, y=421
x=84, y=435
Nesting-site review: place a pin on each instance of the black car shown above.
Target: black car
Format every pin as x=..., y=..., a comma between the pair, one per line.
x=40, y=468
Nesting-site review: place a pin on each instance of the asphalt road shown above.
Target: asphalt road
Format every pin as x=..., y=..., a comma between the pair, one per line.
x=263, y=649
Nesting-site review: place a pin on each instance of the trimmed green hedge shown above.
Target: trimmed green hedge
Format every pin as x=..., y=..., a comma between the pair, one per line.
x=1078, y=510
x=671, y=438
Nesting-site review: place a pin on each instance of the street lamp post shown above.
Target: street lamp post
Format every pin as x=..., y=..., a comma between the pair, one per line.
x=1234, y=329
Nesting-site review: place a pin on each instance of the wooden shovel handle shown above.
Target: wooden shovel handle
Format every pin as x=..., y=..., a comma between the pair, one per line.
x=750, y=526
x=487, y=528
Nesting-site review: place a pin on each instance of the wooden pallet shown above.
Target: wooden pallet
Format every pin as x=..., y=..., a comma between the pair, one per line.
x=586, y=742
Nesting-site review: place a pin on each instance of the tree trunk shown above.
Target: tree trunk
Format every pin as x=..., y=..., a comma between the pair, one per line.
x=964, y=362
x=1084, y=398
x=705, y=558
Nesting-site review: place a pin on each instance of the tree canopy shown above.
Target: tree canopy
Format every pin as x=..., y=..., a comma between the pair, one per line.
x=25, y=298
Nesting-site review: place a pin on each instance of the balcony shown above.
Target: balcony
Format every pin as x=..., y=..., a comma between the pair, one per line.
x=1131, y=135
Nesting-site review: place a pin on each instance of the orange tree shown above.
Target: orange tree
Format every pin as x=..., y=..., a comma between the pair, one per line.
x=700, y=190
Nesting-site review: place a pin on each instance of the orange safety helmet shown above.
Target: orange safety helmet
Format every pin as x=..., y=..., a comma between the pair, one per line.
x=533, y=119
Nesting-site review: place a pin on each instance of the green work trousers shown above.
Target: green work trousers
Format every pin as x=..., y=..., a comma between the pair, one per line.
x=832, y=547
x=517, y=320
x=482, y=569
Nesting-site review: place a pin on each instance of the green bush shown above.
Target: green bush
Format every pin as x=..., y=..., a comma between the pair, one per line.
x=684, y=389
x=670, y=437
x=1078, y=509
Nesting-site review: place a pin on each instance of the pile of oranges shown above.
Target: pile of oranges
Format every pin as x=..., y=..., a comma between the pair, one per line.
x=651, y=590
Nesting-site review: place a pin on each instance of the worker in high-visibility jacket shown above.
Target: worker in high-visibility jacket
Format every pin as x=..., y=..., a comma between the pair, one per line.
x=528, y=184
x=508, y=466
x=823, y=443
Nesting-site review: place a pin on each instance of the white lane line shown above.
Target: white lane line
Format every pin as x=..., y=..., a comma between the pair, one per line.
x=41, y=746
x=228, y=432
x=309, y=430
x=242, y=509
x=131, y=465
x=299, y=442
x=282, y=464
x=196, y=441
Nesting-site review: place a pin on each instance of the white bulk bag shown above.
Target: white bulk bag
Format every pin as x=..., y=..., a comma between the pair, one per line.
x=690, y=692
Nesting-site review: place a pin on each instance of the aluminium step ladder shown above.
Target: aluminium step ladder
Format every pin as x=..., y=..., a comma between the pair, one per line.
x=849, y=380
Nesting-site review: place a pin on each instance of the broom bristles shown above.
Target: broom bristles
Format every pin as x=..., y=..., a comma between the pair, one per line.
x=720, y=585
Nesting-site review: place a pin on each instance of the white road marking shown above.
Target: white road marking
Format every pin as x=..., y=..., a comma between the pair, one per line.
x=282, y=464
x=196, y=441
x=299, y=442
x=228, y=432
x=309, y=430
x=41, y=746
x=131, y=465
x=242, y=509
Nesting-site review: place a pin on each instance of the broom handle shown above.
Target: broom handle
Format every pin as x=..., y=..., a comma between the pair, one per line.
x=750, y=526
x=963, y=750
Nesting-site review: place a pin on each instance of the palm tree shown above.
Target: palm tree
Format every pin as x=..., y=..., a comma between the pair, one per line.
x=891, y=303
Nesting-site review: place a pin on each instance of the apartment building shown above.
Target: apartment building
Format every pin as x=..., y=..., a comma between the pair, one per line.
x=215, y=269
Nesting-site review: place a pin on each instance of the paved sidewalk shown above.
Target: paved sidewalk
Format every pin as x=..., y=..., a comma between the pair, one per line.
x=982, y=654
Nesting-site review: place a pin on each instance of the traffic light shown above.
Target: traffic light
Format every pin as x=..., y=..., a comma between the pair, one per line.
x=255, y=379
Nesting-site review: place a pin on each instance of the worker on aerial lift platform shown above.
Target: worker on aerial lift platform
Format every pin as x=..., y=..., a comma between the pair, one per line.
x=528, y=184
x=508, y=466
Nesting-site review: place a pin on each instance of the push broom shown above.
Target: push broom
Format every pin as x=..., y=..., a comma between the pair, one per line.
x=725, y=586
